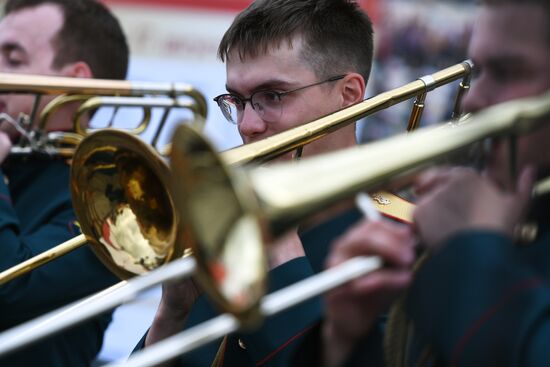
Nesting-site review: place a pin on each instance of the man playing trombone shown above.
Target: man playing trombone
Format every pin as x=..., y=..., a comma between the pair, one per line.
x=71, y=38
x=286, y=65
x=482, y=295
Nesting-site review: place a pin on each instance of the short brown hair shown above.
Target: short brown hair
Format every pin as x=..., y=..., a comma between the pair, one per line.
x=337, y=35
x=90, y=33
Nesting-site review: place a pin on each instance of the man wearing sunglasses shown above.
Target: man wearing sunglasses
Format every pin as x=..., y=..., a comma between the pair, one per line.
x=288, y=63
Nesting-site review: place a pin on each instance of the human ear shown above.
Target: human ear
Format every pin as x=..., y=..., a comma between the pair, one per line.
x=79, y=69
x=352, y=89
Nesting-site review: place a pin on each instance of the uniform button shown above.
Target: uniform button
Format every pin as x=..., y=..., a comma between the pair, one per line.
x=242, y=345
x=6, y=180
x=526, y=233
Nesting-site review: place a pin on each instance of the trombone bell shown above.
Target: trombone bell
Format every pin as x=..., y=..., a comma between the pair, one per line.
x=226, y=237
x=221, y=205
x=119, y=195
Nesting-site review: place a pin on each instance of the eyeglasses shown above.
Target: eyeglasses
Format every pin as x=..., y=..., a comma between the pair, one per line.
x=267, y=103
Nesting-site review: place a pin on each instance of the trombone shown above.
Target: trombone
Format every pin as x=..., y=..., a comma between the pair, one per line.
x=287, y=141
x=120, y=194
x=93, y=94
x=426, y=146
x=147, y=95
x=257, y=152
x=263, y=203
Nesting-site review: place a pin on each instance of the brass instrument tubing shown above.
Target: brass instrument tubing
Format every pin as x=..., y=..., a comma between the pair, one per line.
x=416, y=113
x=271, y=304
x=492, y=122
x=464, y=87
x=79, y=311
x=289, y=140
x=517, y=117
x=42, y=258
x=34, y=110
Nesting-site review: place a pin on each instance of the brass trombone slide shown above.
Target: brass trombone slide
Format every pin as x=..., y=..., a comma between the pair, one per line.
x=287, y=141
x=167, y=104
x=286, y=193
x=40, y=84
x=260, y=151
x=82, y=89
x=285, y=190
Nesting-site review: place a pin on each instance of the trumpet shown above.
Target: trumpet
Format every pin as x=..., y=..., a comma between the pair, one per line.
x=35, y=137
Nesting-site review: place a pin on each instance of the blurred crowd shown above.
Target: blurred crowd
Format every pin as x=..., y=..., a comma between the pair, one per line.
x=407, y=50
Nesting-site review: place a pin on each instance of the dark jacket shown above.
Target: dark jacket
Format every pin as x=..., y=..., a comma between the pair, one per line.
x=36, y=214
x=481, y=300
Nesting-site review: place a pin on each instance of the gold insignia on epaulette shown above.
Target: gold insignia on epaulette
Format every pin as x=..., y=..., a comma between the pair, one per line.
x=381, y=199
x=393, y=206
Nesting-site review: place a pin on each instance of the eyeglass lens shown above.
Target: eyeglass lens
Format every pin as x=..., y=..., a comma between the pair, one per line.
x=266, y=103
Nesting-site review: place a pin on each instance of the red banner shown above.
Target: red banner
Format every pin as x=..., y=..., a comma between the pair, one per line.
x=230, y=5
x=371, y=6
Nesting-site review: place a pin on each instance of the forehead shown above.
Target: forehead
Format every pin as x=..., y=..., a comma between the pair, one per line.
x=510, y=28
x=283, y=63
x=33, y=26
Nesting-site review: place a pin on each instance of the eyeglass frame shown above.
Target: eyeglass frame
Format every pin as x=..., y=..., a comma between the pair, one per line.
x=220, y=99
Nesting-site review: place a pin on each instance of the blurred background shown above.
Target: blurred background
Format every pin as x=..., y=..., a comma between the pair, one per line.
x=176, y=40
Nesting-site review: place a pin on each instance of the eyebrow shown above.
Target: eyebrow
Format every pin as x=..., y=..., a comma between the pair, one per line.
x=266, y=85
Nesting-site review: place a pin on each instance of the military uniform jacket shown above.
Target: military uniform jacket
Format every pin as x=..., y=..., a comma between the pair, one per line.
x=36, y=214
x=273, y=343
x=484, y=301
x=481, y=300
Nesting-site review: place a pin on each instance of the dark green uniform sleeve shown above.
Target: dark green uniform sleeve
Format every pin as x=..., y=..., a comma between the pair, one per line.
x=368, y=352
x=274, y=342
x=36, y=219
x=269, y=345
x=480, y=302
x=36, y=214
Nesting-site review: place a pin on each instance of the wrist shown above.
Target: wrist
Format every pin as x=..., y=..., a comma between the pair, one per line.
x=167, y=322
x=172, y=311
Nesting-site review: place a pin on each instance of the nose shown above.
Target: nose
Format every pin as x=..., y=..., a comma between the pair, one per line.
x=251, y=124
x=479, y=96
